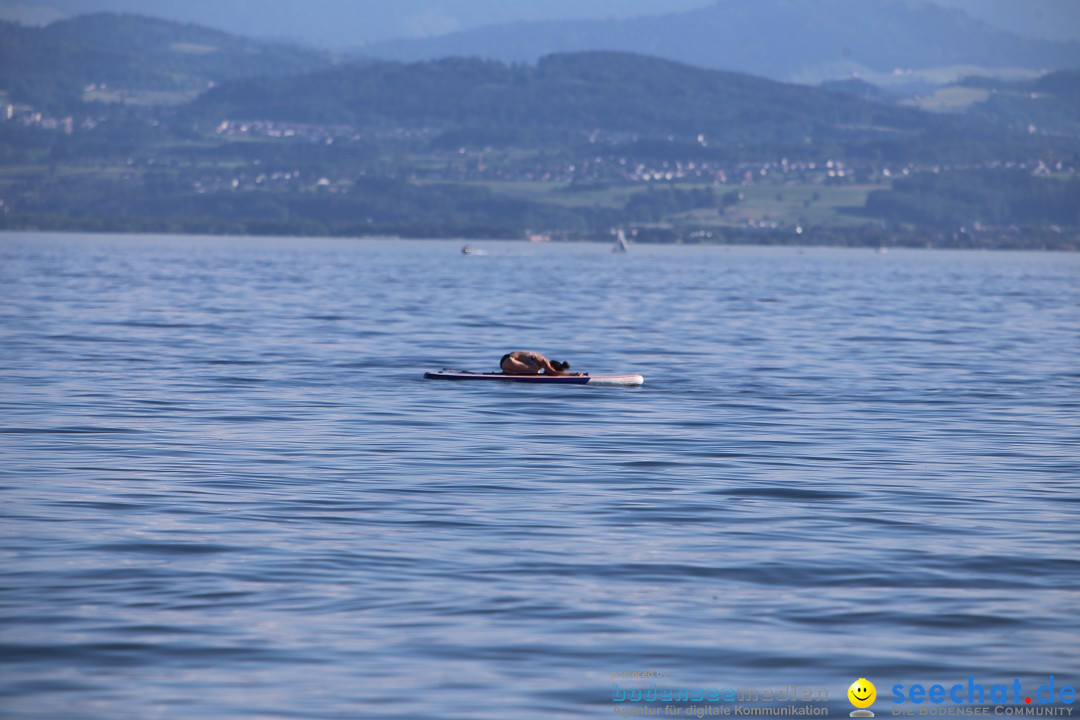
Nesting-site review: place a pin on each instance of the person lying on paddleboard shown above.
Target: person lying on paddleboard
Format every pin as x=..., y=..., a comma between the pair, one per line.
x=524, y=362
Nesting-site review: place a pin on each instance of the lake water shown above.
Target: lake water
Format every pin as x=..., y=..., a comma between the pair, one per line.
x=228, y=493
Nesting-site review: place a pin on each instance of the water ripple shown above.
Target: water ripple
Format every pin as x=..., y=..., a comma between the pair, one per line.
x=228, y=492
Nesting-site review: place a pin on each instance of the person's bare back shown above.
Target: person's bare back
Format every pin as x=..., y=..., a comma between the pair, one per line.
x=526, y=362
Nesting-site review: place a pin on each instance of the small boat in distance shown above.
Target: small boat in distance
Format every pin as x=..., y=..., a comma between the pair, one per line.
x=470, y=250
x=621, y=245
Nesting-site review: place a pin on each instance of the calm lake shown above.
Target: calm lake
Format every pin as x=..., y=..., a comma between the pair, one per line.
x=228, y=492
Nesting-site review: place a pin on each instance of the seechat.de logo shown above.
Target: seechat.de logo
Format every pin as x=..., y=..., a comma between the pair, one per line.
x=862, y=694
x=975, y=693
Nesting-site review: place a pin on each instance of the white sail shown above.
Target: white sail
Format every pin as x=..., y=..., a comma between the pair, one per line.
x=621, y=244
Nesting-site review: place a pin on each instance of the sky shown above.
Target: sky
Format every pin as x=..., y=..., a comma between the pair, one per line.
x=352, y=23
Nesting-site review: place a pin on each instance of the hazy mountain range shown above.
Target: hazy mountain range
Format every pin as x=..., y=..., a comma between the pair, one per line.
x=148, y=61
x=344, y=23
x=125, y=122
x=915, y=44
x=784, y=39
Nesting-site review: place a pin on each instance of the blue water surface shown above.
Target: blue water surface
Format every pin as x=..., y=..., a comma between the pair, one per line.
x=227, y=492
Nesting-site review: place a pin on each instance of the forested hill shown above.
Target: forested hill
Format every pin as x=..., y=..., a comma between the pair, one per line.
x=608, y=92
x=50, y=67
x=1049, y=104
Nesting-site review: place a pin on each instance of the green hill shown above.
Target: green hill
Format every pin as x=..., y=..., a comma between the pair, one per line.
x=1047, y=105
x=572, y=145
x=949, y=200
x=614, y=93
x=51, y=67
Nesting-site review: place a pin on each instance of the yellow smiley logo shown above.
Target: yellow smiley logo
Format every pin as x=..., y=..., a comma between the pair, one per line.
x=862, y=693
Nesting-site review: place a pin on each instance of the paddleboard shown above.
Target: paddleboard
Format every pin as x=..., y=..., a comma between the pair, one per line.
x=609, y=380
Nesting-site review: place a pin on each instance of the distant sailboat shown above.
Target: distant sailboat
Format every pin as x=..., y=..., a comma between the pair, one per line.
x=621, y=245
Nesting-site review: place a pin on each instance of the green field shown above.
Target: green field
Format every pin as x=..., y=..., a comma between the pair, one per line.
x=808, y=205
x=784, y=204
x=565, y=195
x=949, y=99
x=141, y=98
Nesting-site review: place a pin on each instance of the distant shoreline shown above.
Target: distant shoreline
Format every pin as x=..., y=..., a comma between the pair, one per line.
x=1065, y=243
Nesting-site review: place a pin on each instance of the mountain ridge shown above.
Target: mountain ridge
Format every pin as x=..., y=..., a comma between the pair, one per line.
x=334, y=23
x=665, y=107
x=780, y=39
x=50, y=66
x=608, y=90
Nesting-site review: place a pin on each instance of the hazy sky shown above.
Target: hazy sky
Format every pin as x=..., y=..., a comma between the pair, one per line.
x=339, y=23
